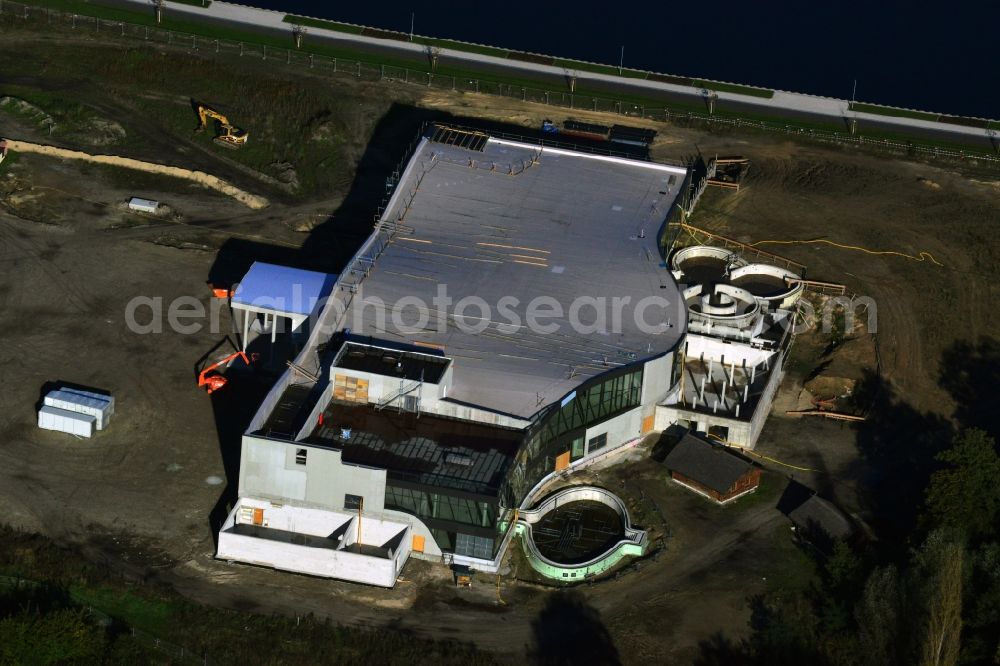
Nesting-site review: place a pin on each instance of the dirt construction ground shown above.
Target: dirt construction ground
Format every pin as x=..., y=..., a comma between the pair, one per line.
x=143, y=494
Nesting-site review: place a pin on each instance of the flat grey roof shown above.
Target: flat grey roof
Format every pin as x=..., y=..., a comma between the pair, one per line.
x=520, y=221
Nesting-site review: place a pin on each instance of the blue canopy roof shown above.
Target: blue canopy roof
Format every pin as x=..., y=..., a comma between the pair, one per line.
x=283, y=289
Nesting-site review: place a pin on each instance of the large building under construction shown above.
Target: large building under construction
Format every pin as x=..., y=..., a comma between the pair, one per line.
x=512, y=317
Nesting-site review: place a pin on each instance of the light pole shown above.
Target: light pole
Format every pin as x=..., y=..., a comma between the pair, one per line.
x=413, y=16
x=853, y=122
x=621, y=60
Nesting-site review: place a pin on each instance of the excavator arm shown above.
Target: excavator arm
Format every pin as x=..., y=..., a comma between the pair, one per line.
x=213, y=382
x=229, y=135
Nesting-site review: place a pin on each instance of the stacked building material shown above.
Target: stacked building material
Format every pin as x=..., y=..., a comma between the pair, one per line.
x=75, y=411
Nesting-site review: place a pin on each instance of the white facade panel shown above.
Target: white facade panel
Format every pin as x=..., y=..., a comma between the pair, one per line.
x=619, y=430
x=275, y=469
x=657, y=379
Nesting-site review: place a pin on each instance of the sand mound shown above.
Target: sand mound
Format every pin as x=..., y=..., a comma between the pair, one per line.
x=200, y=177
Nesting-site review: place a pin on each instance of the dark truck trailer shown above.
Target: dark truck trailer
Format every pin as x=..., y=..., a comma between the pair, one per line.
x=586, y=130
x=632, y=136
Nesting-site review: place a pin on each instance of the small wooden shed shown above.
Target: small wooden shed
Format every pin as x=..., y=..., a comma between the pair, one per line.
x=711, y=470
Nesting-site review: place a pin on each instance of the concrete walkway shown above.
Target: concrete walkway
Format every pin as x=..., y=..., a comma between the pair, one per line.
x=782, y=102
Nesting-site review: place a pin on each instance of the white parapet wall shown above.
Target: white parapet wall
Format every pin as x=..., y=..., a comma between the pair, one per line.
x=741, y=428
x=783, y=299
x=331, y=544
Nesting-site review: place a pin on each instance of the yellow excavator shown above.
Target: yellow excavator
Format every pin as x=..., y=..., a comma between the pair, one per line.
x=229, y=135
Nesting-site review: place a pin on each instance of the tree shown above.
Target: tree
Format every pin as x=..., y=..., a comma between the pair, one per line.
x=943, y=629
x=877, y=614
x=785, y=630
x=981, y=621
x=965, y=494
x=843, y=574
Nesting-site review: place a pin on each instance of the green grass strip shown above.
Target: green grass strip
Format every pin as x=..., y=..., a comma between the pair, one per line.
x=888, y=111
x=426, y=41
x=734, y=88
x=600, y=69
x=142, y=613
x=323, y=24
x=481, y=49
x=214, y=31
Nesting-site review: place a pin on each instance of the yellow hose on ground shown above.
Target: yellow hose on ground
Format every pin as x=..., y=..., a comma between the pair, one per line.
x=758, y=455
x=923, y=256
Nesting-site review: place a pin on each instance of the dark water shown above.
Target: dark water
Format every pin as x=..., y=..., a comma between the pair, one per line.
x=704, y=270
x=762, y=286
x=937, y=56
x=578, y=531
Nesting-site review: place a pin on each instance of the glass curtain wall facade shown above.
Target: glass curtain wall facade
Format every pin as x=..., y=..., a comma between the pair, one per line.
x=464, y=525
x=474, y=525
x=558, y=435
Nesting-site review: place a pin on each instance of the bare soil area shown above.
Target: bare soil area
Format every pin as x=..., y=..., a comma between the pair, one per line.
x=144, y=494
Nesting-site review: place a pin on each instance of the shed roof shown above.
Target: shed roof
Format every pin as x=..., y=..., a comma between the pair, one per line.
x=817, y=513
x=707, y=464
x=282, y=289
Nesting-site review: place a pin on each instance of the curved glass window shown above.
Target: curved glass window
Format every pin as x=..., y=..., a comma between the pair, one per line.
x=557, y=435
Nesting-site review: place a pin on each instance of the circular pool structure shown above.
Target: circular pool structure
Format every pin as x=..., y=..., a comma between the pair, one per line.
x=721, y=303
x=704, y=264
x=771, y=285
x=725, y=289
x=578, y=532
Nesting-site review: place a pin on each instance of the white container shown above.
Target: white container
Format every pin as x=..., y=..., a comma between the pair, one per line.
x=74, y=423
x=143, y=205
x=110, y=399
x=97, y=408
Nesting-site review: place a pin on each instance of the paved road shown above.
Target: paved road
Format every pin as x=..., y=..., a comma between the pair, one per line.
x=793, y=106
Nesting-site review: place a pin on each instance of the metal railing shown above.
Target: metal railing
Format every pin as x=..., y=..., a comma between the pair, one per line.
x=704, y=237
x=373, y=71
